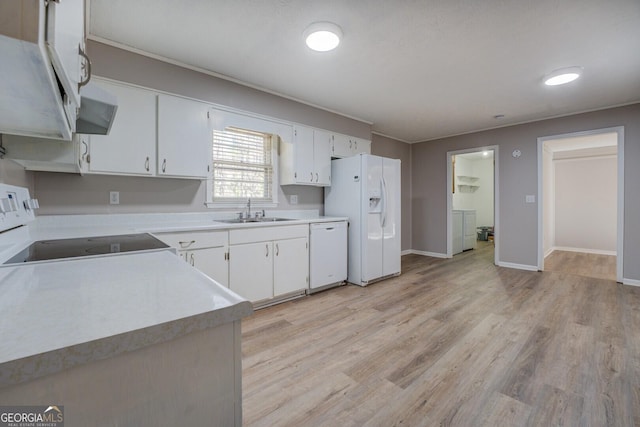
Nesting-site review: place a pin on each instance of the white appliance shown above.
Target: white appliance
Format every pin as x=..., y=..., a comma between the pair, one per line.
x=464, y=230
x=328, y=256
x=366, y=189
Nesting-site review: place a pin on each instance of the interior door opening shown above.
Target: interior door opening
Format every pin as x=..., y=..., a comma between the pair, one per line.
x=472, y=201
x=580, y=187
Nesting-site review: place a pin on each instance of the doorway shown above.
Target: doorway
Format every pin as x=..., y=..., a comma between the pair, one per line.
x=581, y=203
x=472, y=186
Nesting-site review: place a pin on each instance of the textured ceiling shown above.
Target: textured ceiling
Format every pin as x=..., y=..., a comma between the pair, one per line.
x=417, y=70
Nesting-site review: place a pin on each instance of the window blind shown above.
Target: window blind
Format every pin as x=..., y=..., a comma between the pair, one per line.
x=242, y=165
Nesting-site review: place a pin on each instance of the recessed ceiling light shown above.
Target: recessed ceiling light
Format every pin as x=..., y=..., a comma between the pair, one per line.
x=562, y=76
x=322, y=36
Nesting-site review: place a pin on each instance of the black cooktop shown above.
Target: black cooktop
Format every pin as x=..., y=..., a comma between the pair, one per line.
x=86, y=246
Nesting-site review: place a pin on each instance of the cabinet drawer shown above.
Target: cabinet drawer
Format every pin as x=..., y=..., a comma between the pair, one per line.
x=195, y=239
x=252, y=235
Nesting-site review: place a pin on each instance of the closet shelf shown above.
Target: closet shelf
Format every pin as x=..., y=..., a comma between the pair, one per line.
x=467, y=188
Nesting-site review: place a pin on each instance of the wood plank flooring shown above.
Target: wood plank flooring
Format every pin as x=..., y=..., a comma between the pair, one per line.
x=456, y=342
x=583, y=264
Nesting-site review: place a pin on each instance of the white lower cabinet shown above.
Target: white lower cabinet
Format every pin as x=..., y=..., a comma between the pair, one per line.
x=211, y=261
x=290, y=265
x=270, y=263
x=251, y=270
x=208, y=251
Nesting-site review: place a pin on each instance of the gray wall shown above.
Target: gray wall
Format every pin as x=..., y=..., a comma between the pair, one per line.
x=61, y=193
x=387, y=147
x=518, y=177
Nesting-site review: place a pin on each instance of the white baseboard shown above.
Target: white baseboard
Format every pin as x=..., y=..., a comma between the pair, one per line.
x=585, y=251
x=631, y=282
x=549, y=252
x=406, y=252
x=431, y=254
x=518, y=266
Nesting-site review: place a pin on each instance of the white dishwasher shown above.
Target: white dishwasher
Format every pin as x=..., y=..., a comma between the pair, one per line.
x=328, y=255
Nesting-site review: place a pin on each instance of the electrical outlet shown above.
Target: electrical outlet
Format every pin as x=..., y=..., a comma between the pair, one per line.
x=530, y=198
x=114, y=197
x=293, y=199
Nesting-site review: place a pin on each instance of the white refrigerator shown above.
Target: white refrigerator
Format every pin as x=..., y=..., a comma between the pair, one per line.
x=366, y=189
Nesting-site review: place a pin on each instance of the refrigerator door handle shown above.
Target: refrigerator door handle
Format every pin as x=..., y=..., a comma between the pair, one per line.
x=383, y=222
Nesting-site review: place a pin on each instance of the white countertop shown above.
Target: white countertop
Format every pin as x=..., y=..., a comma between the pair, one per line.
x=62, y=313
x=69, y=226
x=59, y=314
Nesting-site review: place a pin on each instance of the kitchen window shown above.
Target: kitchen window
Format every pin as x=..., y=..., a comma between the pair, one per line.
x=243, y=166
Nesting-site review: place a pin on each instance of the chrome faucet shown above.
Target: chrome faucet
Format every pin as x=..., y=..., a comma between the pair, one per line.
x=249, y=208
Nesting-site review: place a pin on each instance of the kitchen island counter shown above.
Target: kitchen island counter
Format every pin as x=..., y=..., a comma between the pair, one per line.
x=87, y=322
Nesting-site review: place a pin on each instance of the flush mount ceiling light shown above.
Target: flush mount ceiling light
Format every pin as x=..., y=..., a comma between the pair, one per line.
x=322, y=36
x=562, y=76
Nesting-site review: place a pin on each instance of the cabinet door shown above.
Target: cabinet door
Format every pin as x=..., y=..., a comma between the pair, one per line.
x=290, y=265
x=361, y=146
x=340, y=147
x=304, y=167
x=251, y=270
x=130, y=147
x=212, y=262
x=322, y=158
x=65, y=36
x=184, y=137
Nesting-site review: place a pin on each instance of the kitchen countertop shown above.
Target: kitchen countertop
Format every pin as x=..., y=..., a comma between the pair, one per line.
x=58, y=314
x=69, y=226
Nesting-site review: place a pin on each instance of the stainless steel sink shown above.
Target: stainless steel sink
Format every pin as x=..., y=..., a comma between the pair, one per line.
x=252, y=220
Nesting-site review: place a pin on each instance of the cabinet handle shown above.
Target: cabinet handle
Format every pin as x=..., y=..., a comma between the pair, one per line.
x=146, y=164
x=311, y=176
x=86, y=66
x=164, y=165
x=193, y=261
x=277, y=250
x=356, y=144
x=350, y=144
x=186, y=244
x=316, y=176
x=86, y=149
x=267, y=247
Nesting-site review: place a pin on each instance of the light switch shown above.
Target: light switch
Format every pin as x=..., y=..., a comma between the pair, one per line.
x=530, y=198
x=114, y=197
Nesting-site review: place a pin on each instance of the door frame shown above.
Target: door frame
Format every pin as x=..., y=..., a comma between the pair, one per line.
x=496, y=197
x=619, y=130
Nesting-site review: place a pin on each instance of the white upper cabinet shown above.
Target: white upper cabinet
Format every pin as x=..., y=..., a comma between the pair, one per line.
x=65, y=42
x=347, y=146
x=130, y=147
x=322, y=157
x=303, y=148
x=307, y=159
x=37, y=101
x=184, y=137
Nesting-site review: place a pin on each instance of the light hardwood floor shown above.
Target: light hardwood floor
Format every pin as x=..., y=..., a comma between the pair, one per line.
x=449, y=342
x=583, y=264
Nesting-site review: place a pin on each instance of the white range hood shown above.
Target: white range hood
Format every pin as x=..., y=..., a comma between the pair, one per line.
x=43, y=69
